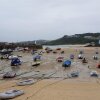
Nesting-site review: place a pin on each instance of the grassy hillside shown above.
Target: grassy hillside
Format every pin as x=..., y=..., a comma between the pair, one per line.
x=75, y=39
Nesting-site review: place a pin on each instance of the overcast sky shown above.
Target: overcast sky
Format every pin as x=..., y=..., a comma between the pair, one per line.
x=47, y=19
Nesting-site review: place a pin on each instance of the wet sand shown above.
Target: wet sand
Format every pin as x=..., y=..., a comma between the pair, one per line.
x=54, y=83
x=57, y=89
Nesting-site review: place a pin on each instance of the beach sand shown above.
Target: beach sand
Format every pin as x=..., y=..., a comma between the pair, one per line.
x=52, y=80
x=57, y=89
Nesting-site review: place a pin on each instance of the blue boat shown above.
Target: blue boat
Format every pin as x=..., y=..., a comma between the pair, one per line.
x=66, y=63
x=15, y=62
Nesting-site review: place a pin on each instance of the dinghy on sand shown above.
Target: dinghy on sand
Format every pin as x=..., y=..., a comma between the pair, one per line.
x=10, y=94
x=80, y=56
x=94, y=74
x=71, y=56
x=84, y=60
x=16, y=62
x=9, y=75
x=62, y=52
x=58, y=49
x=26, y=82
x=74, y=74
x=36, y=64
x=60, y=59
x=66, y=63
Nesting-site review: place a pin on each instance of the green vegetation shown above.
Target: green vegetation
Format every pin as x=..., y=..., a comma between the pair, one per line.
x=76, y=39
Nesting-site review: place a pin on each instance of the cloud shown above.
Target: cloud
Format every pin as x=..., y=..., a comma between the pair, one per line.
x=47, y=19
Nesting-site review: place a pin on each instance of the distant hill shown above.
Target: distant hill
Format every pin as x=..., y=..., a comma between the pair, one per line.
x=85, y=38
x=76, y=39
x=38, y=42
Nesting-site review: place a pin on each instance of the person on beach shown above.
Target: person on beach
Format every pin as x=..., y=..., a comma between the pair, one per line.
x=84, y=60
x=95, y=57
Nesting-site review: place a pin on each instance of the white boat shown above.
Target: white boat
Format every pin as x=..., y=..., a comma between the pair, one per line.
x=80, y=56
x=11, y=94
x=94, y=74
x=9, y=75
x=26, y=82
x=12, y=56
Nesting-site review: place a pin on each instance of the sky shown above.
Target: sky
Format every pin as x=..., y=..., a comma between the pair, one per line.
x=26, y=20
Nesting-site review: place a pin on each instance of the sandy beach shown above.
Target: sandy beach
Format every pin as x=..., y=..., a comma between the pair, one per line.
x=52, y=79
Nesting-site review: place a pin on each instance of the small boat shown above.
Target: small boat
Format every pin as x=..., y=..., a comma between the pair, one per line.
x=84, y=60
x=10, y=94
x=95, y=57
x=12, y=57
x=66, y=63
x=71, y=56
x=15, y=62
x=81, y=52
x=74, y=74
x=80, y=56
x=98, y=66
x=96, y=52
x=60, y=59
x=58, y=49
x=1, y=57
x=36, y=64
x=4, y=57
x=26, y=82
x=47, y=48
x=48, y=51
x=54, y=52
x=62, y=52
x=19, y=55
x=9, y=75
x=36, y=58
x=94, y=74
